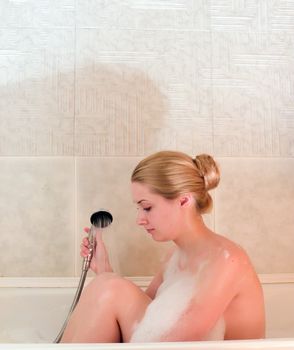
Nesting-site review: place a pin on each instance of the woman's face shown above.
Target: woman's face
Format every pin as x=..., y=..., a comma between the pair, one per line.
x=159, y=216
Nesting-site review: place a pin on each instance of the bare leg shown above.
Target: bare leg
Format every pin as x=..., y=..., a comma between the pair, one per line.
x=107, y=311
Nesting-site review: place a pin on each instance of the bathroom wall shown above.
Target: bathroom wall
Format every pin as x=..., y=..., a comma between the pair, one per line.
x=88, y=88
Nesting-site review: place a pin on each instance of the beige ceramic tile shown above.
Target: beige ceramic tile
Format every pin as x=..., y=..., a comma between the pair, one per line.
x=252, y=16
x=237, y=16
x=104, y=183
x=134, y=97
x=143, y=14
x=35, y=13
x=254, y=207
x=280, y=16
x=113, y=105
x=252, y=98
x=37, y=216
x=37, y=94
x=36, y=136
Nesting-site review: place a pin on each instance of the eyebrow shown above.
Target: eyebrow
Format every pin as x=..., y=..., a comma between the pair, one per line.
x=142, y=200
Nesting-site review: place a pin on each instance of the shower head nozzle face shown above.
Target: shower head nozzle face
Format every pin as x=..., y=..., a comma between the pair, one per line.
x=101, y=219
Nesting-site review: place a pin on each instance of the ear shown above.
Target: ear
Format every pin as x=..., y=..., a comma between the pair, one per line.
x=186, y=200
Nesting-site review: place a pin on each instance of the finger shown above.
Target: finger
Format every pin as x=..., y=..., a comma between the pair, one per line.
x=84, y=251
x=85, y=242
x=84, y=245
x=83, y=255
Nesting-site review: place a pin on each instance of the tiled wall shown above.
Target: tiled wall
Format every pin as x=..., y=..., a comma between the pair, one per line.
x=87, y=88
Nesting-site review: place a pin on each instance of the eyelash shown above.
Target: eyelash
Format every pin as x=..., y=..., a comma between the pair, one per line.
x=147, y=209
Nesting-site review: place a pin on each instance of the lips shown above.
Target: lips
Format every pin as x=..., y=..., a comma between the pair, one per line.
x=150, y=230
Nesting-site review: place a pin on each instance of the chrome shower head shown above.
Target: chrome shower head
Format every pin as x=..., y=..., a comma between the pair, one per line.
x=101, y=219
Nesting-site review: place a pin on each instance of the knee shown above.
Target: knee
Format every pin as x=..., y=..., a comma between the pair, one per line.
x=109, y=286
x=104, y=279
x=116, y=285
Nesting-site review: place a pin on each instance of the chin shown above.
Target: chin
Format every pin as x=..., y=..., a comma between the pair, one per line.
x=161, y=239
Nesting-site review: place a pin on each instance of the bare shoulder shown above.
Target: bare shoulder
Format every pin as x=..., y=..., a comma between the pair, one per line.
x=231, y=259
x=232, y=252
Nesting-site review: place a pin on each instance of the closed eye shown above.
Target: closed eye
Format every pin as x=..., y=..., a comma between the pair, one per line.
x=147, y=209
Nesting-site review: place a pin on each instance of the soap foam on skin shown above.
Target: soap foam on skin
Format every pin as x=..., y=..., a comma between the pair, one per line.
x=226, y=254
x=171, y=301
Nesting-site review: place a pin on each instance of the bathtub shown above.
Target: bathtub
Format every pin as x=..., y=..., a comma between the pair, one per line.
x=32, y=311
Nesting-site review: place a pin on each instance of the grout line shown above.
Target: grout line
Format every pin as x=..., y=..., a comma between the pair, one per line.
x=74, y=144
x=212, y=110
x=75, y=218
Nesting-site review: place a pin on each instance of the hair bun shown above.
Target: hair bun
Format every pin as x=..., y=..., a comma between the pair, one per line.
x=208, y=169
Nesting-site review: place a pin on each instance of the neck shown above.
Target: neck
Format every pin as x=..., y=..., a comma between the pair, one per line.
x=194, y=235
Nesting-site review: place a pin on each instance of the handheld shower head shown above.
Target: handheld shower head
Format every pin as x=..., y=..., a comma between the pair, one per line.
x=101, y=219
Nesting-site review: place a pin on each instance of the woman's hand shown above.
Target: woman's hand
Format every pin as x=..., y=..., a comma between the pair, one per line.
x=100, y=260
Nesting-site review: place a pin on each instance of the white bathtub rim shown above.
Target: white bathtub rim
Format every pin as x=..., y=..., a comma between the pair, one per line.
x=277, y=344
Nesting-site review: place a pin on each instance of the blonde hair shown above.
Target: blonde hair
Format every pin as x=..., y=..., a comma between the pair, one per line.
x=171, y=174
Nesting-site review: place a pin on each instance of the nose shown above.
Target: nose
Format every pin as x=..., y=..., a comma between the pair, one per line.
x=141, y=218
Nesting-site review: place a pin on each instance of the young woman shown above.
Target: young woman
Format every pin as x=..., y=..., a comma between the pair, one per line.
x=206, y=289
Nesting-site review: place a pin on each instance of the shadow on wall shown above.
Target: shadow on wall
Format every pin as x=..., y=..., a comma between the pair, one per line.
x=121, y=107
x=98, y=111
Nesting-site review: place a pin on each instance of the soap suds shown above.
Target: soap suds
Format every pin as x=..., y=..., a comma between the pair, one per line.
x=171, y=301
